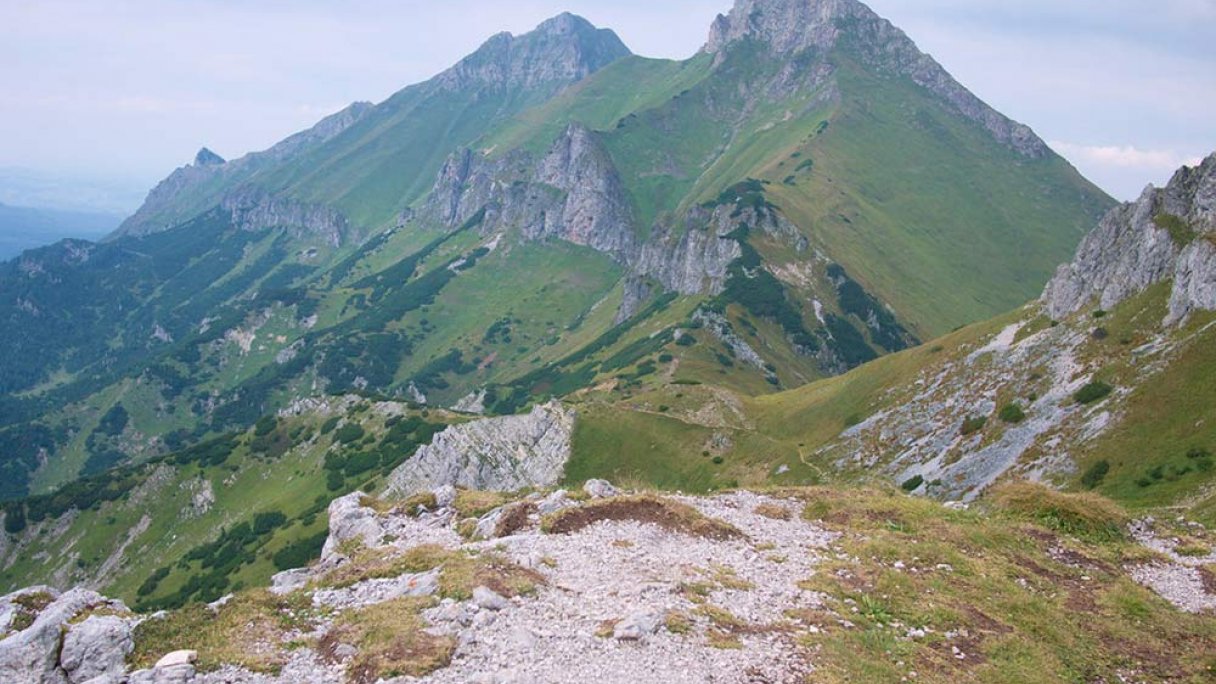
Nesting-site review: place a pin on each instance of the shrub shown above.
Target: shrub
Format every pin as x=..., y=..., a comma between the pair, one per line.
x=300, y=553
x=1095, y=474
x=264, y=523
x=1012, y=413
x=14, y=519
x=349, y=433
x=913, y=483
x=1180, y=232
x=265, y=426
x=1093, y=392
x=974, y=424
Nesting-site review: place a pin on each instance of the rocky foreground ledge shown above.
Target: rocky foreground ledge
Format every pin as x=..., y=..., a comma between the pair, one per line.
x=598, y=585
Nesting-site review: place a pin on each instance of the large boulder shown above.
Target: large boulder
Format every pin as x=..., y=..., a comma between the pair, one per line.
x=349, y=520
x=97, y=647
x=31, y=656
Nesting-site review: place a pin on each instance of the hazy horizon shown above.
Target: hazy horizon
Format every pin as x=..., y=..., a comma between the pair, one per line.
x=120, y=96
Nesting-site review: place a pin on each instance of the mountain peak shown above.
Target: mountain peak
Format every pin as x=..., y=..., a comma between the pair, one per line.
x=564, y=24
x=786, y=26
x=790, y=27
x=563, y=49
x=206, y=157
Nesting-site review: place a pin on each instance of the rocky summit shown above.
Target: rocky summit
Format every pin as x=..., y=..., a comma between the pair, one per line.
x=791, y=361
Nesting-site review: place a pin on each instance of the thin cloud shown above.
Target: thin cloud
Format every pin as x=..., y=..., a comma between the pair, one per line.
x=1124, y=156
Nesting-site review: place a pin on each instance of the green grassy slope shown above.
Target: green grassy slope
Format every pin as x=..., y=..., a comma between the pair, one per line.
x=929, y=212
x=164, y=514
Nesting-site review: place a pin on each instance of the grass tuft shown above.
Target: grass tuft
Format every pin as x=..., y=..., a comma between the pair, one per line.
x=670, y=515
x=1086, y=515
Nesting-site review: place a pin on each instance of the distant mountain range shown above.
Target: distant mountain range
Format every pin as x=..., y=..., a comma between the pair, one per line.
x=23, y=228
x=806, y=193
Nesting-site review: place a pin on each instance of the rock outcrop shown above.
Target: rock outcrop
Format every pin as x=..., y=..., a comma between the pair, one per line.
x=350, y=520
x=255, y=209
x=791, y=27
x=50, y=647
x=505, y=454
x=572, y=193
x=575, y=193
x=1166, y=234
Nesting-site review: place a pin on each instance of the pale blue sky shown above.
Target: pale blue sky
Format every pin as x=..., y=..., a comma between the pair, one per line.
x=127, y=90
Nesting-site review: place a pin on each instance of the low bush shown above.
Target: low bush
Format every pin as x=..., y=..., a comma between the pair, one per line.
x=973, y=425
x=1012, y=413
x=1092, y=393
x=1095, y=474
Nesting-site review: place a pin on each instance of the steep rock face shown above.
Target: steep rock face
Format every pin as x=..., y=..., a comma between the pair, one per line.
x=563, y=49
x=254, y=209
x=507, y=454
x=693, y=260
x=790, y=27
x=573, y=193
x=1166, y=234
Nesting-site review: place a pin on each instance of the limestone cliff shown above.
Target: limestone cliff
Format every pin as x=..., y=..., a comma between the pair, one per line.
x=507, y=454
x=1167, y=234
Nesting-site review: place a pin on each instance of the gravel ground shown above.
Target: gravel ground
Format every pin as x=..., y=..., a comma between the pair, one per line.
x=612, y=570
x=601, y=614
x=1178, y=579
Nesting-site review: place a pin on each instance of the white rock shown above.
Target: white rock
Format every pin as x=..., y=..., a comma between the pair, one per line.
x=32, y=655
x=501, y=454
x=289, y=581
x=175, y=658
x=349, y=519
x=488, y=599
x=96, y=647
x=373, y=591
x=599, y=489
x=445, y=496
x=637, y=626
x=554, y=502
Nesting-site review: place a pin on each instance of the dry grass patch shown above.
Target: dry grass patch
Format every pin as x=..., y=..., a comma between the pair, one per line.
x=670, y=515
x=471, y=504
x=417, y=502
x=1029, y=588
x=727, y=578
x=391, y=642
x=380, y=506
x=386, y=562
x=29, y=605
x=677, y=622
x=773, y=511
x=514, y=518
x=462, y=573
x=1086, y=515
x=247, y=631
